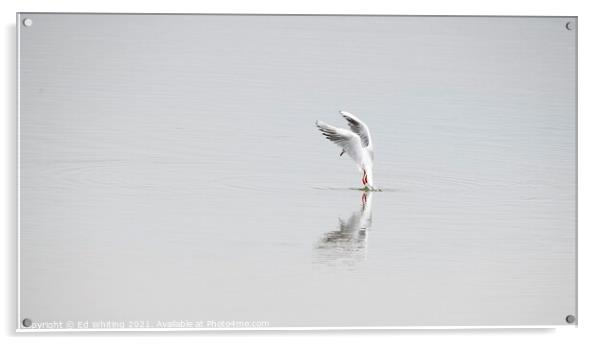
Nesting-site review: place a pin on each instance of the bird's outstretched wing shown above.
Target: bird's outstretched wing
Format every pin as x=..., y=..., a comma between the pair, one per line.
x=359, y=128
x=346, y=139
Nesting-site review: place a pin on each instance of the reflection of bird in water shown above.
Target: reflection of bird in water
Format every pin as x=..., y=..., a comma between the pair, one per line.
x=348, y=244
x=356, y=142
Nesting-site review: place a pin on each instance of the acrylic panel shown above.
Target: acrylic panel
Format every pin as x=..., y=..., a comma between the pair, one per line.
x=296, y=171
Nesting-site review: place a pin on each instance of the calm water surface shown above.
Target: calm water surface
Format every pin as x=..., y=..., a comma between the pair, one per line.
x=201, y=190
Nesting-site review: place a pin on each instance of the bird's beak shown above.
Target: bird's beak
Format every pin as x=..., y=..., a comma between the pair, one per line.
x=342, y=153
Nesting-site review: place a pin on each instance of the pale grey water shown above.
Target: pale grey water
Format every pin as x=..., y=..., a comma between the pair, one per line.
x=171, y=170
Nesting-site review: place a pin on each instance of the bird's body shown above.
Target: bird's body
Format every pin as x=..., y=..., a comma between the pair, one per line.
x=356, y=142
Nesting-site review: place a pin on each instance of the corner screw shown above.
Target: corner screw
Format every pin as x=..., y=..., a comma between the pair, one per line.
x=570, y=319
x=26, y=323
x=569, y=25
x=27, y=22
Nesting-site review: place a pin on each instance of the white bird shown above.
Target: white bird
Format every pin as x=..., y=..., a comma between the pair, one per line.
x=356, y=142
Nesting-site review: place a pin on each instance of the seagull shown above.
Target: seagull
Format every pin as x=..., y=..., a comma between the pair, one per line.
x=356, y=142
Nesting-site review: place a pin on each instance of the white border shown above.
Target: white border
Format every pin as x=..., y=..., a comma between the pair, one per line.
x=263, y=329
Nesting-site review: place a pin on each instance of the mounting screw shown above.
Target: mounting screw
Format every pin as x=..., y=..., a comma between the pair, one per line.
x=569, y=25
x=26, y=323
x=570, y=319
x=27, y=22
